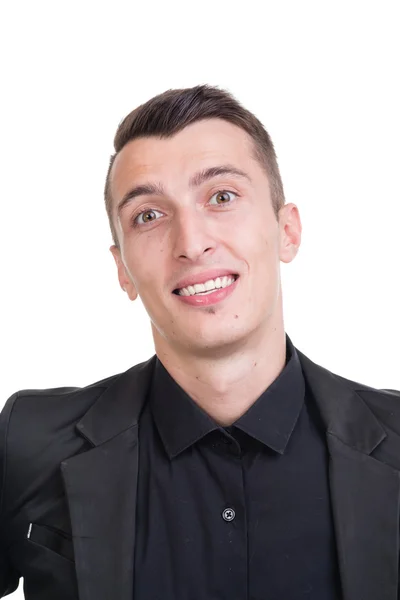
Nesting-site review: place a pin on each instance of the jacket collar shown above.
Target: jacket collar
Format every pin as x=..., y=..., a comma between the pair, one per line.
x=344, y=413
x=118, y=408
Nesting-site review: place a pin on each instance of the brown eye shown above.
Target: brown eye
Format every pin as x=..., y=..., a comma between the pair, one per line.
x=222, y=197
x=147, y=216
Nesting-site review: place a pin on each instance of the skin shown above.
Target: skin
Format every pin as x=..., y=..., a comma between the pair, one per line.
x=224, y=356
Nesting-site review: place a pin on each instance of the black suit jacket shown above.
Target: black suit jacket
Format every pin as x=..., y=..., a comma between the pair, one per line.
x=69, y=468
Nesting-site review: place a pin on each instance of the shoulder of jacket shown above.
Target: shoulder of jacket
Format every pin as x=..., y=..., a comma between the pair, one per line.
x=33, y=420
x=362, y=387
x=52, y=397
x=70, y=391
x=35, y=403
x=384, y=403
x=65, y=390
x=62, y=392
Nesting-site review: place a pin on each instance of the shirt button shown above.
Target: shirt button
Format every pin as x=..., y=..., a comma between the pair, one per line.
x=228, y=514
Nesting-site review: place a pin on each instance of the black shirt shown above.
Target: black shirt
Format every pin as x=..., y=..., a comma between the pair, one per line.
x=235, y=513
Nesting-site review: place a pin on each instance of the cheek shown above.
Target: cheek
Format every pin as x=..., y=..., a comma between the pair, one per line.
x=146, y=266
x=262, y=255
x=256, y=243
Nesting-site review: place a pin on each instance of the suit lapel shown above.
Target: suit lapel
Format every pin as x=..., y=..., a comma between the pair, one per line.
x=364, y=491
x=101, y=486
x=365, y=504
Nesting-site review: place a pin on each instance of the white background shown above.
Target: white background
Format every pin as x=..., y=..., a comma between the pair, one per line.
x=323, y=77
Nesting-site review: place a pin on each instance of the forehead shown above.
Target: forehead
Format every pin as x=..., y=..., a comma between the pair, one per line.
x=204, y=143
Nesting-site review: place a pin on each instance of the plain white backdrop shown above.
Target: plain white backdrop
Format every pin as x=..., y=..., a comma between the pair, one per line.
x=323, y=77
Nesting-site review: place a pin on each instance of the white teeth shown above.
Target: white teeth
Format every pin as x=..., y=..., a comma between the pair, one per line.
x=208, y=286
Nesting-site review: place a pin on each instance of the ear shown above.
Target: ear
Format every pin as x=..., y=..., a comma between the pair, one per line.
x=290, y=232
x=123, y=277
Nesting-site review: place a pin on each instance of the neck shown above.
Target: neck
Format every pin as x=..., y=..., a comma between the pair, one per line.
x=225, y=386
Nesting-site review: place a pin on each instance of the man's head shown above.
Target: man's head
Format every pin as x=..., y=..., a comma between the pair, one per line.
x=166, y=114
x=194, y=194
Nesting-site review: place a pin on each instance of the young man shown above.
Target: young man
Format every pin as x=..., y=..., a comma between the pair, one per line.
x=228, y=466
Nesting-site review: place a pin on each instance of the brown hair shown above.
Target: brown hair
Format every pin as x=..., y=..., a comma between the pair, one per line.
x=169, y=112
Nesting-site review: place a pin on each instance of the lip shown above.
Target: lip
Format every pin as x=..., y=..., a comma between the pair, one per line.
x=203, y=277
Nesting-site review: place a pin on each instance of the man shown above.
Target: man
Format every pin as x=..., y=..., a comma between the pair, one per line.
x=229, y=465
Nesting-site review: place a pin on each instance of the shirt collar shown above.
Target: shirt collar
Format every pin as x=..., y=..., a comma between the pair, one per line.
x=270, y=420
x=273, y=416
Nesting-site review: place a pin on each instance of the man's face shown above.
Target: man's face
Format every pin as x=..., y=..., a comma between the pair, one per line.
x=193, y=228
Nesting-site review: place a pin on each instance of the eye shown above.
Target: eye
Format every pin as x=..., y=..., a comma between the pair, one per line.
x=222, y=197
x=147, y=216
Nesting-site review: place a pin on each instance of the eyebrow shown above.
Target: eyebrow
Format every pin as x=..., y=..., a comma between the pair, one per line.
x=196, y=180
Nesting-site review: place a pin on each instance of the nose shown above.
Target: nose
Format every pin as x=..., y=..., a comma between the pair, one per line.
x=192, y=236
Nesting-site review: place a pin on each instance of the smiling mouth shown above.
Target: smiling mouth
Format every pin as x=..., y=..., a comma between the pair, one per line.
x=202, y=289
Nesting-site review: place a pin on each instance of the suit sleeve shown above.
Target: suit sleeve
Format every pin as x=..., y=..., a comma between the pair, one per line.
x=9, y=577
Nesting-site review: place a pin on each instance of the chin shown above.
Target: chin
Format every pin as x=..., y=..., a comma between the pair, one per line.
x=214, y=343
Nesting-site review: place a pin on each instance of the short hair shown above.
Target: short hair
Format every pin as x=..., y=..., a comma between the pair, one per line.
x=168, y=113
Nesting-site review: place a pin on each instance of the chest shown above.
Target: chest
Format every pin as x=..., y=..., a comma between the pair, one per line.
x=232, y=515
